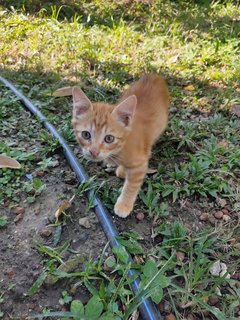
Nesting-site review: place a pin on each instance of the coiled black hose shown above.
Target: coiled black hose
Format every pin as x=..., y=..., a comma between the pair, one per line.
x=147, y=308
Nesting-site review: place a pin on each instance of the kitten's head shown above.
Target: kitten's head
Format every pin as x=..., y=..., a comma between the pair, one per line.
x=101, y=129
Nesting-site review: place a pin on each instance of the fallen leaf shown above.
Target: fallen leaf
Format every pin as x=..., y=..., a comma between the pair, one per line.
x=67, y=266
x=151, y=171
x=7, y=162
x=189, y=88
x=18, y=218
x=62, y=92
x=63, y=206
x=19, y=210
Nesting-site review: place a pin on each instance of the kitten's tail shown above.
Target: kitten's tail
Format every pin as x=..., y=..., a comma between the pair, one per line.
x=63, y=92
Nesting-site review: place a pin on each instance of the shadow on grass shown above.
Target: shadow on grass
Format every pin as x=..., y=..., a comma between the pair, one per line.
x=193, y=15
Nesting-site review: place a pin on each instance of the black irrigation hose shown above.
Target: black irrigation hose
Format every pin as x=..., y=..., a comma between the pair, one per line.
x=147, y=308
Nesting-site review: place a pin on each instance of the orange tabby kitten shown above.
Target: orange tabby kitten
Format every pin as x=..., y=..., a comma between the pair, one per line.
x=124, y=133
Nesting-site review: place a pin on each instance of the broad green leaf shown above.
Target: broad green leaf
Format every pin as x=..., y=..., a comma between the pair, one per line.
x=150, y=269
x=3, y=221
x=37, y=284
x=162, y=281
x=109, y=316
x=121, y=253
x=132, y=246
x=94, y=308
x=77, y=307
x=156, y=294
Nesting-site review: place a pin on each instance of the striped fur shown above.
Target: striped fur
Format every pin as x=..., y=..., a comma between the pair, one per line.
x=136, y=122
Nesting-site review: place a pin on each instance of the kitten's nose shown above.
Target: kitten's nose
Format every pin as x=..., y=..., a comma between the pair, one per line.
x=94, y=152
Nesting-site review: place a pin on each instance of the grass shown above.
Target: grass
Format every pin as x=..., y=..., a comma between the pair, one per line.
x=103, y=47
x=162, y=269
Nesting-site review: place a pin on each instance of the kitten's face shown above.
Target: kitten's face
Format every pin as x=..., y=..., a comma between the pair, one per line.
x=101, y=129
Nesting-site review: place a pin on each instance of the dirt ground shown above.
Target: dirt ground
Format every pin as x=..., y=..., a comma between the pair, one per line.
x=21, y=263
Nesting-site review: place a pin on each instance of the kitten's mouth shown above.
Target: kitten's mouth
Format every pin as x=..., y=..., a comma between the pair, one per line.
x=94, y=159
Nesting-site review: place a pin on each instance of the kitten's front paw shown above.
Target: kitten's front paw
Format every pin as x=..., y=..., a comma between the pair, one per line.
x=120, y=172
x=122, y=208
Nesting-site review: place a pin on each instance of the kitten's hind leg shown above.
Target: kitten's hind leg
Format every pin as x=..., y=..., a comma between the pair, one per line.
x=121, y=172
x=132, y=184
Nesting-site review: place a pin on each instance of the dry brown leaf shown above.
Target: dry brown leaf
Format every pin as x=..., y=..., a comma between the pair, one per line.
x=7, y=162
x=63, y=92
x=63, y=206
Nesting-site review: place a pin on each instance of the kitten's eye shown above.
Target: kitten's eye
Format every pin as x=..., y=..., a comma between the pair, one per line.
x=86, y=135
x=109, y=138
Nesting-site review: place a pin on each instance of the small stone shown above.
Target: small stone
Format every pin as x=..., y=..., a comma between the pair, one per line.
x=55, y=163
x=180, y=257
x=10, y=273
x=18, y=218
x=221, y=202
x=213, y=300
x=19, y=210
x=35, y=274
x=212, y=220
x=109, y=263
x=218, y=214
x=140, y=216
x=84, y=222
x=170, y=316
x=226, y=218
x=225, y=211
x=45, y=232
x=37, y=210
x=40, y=173
x=204, y=216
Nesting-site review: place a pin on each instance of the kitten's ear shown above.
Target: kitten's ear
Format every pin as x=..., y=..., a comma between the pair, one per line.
x=125, y=110
x=81, y=103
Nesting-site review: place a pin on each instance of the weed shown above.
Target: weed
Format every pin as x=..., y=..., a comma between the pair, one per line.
x=34, y=188
x=103, y=47
x=3, y=221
